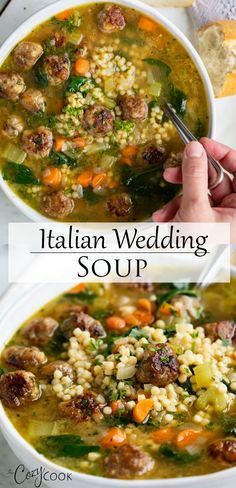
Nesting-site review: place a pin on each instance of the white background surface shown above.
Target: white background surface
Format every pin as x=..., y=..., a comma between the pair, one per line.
x=16, y=12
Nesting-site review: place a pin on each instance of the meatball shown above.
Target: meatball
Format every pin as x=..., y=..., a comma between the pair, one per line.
x=38, y=142
x=133, y=107
x=24, y=357
x=81, y=408
x=225, y=330
x=48, y=370
x=18, y=388
x=159, y=366
x=151, y=154
x=13, y=126
x=98, y=120
x=120, y=205
x=39, y=331
x=111, y=19
x=57, y=69
x=127, y=462
x=59, y=39
x=82, y=321
x=223, y=450
x=57, y=205
x=174, y=160
x=33, y=100
x=12, y=85
x=27, y=53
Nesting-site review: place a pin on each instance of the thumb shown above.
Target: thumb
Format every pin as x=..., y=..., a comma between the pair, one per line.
x=195, y=177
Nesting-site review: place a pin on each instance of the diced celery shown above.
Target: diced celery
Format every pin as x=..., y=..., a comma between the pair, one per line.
x=76, y=37
x=212, y=397
x=154, y=89
x=13, y=153
x=109, y=103
x=109, y=84
x=203, y=375
x=150, y=76
x=96, y=147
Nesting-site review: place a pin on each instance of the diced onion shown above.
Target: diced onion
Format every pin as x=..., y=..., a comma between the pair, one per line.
x=125, y=372
x=13, y=153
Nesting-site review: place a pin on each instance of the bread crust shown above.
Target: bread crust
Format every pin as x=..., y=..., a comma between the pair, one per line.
x=228, y=28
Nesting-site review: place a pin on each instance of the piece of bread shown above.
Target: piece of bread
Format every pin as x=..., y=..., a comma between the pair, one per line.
x=170, y=3
x=217, y=47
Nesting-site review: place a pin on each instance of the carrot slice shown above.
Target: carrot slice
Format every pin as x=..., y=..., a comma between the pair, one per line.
x=99, y=180
x=77, y=288
x=85, y=179
x=145, y=318
x=187, y=437
x=52, y=177
x=64, y=15
x=162, y=436
x=145, y=304
x=81, y=66
x=132, y=320
x=142, y=409
x=115, y=323
x=115, y=437
x=147, y=24
x=115, y=406
x=59, y=141
x=129, y=151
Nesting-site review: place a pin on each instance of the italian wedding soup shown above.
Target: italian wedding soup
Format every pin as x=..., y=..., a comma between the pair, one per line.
x=131, y=381
x=84, y=134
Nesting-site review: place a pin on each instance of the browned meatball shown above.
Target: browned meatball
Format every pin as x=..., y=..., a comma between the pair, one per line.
x=38, y=142
x=127, y=462
x=24, y=357
x=18, y=388
x=57, y=205
x=159, y=365
x=48, y=370
x=98, y=120
x=12, y=85
x=111, y=19
x=13, y=126
x=27, y=53
x=151, y=154
x=33, y=100
x=225, y=330
x=223, y=450
x=58, y=39
x=120, y=205
x=39, y=331
x=57, y=69
x=174, y=160
x=81, y=408
x=133, y=107
x=82, y=321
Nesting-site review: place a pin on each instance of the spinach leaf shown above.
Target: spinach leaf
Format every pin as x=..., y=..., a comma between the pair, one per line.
x=55, y=346
x=87, y=296
x=91, y=196
x=229, y=424
x=170, y=331
x=163, y=68
x=68, y=445
x=177, y=99
x=188, y=387
x=178, y=456
x=75, y=83
x=168, y=296
x=20, y=174
x=141, y=181
x=41, y=78
x=40, y=118
x=60, y=158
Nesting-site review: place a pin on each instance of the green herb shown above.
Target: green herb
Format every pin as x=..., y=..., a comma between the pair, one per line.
x=91, y=196
x=87, y=296
x=188, y=387
x=178, y=456
x=55, y=346
x=137, y=333
x=229, y=424
x=64, y=446
x=20, y=174
x=40, y=118
x=70, y=24
x=41, y=78
x=79, y=83
x=168, y=296
x=170, y=331
x=94, y=344
x=126, y=125
x=60, y=158
x=117, y=421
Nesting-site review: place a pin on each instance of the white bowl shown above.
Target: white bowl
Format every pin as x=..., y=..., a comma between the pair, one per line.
x=13, y=313
x=61, y=5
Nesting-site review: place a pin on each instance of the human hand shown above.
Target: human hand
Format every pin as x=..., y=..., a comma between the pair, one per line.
x=195, y=204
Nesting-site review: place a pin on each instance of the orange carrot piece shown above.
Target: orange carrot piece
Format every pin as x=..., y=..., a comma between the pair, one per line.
x=79, y=142
x=145, y=318
x=81, y=66
x=64, y=15
x=145, y=304
x=132, y=320
x=115, y=323
x=162, y=436
x=85, y=178
x=99, y=180
x=52, y=177
x=142, y=409
x=77, y=288
x=147, y=24
x=59, y=141
x=129, y=151
x=167, y=309
x=115, y=406
x=115, y=437
x=187, y=437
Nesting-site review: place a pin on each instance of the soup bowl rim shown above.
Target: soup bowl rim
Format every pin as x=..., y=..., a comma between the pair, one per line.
x=45, y=13
x=14, y=438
